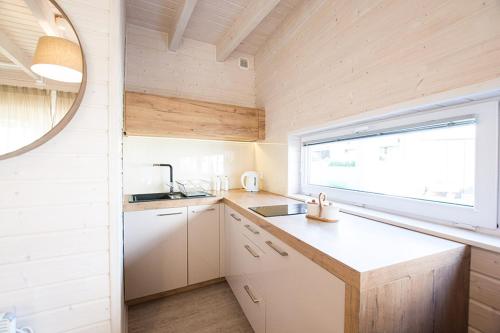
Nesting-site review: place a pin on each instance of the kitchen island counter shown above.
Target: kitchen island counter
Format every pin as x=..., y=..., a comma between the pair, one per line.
x=386, y=269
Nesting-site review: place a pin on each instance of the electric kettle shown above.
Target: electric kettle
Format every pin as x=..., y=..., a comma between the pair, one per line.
x=250, y=181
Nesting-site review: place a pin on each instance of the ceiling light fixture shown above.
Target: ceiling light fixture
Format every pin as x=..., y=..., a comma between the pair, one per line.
x=58, y=59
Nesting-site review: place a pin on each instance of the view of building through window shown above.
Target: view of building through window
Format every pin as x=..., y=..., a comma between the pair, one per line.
x=429, y=164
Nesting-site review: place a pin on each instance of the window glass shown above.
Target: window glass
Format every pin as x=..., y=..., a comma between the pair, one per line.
x=434, y=164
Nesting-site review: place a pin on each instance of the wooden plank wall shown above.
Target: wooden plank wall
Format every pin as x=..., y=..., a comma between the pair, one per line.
x=191, y=72
x=484, y=305
x=332, y=59
x=54, y=215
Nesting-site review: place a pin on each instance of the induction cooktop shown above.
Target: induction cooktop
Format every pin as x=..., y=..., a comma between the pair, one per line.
x=280, y=210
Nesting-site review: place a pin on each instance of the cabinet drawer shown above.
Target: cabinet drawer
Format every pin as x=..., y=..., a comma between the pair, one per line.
x=249, y=291
x=253, y=232
x=248, y=228
x=233, y=218
x=251, y=300
x=249, y=256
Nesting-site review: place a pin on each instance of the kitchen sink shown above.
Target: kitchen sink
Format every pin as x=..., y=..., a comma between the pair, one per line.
x=165, y=196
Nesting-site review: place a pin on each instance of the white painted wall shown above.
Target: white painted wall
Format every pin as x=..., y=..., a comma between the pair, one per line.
x=190, y=72
x=191, y=159
x=271, y=160
x=58, y=212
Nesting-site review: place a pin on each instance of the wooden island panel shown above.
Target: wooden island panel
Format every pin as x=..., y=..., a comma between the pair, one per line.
x=484, y=305
x=423, y=295
x=152, y=115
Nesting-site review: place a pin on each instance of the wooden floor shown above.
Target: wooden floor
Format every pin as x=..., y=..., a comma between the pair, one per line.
x=205, y=310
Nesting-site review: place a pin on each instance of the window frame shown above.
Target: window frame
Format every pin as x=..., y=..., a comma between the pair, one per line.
x=483, y=214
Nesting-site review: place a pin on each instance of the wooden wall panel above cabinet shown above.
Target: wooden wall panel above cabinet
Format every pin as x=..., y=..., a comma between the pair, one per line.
x=152, y=115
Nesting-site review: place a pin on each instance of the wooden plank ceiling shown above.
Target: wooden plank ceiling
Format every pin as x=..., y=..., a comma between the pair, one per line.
x=19, y=24
x=20, y=29
x=210, y=19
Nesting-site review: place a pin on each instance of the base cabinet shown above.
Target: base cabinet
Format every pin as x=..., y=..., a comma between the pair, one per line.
x=166, y=249
x=279, y=289
x=244, y=273
x=288, y=292
x=155, y=253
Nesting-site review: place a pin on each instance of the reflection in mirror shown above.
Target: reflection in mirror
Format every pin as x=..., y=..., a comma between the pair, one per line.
x=41, y=71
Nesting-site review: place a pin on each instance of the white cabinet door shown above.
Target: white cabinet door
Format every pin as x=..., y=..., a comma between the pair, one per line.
x=222, y=241
x=300, y=295
x=203, y=243
x=231, y=227
x=155, y=244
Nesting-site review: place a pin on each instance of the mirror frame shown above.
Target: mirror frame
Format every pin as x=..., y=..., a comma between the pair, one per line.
x=70, y=113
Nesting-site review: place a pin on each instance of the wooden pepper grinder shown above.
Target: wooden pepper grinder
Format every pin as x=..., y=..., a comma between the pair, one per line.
x=321, y=202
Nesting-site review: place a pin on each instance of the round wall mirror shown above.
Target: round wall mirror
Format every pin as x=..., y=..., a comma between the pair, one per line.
x=42, y=74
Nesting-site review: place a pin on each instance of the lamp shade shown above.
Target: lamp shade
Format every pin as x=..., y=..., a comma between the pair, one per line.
x=58, y=59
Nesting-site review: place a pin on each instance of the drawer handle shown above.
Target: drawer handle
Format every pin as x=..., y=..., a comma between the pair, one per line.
x=252, y=230
x=169, y=214
x=204, y=210
x=250, y=293
x=235, y=217
x=275, y=248
x=252, y=252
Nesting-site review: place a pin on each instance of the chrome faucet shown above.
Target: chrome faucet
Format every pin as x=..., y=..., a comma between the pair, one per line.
x=171, y=174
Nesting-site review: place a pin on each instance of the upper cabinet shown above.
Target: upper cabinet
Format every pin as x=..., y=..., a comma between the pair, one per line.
x=152, y=115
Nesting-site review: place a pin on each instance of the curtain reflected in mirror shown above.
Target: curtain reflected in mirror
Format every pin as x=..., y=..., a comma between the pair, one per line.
x=41, y=71
x=26, y=114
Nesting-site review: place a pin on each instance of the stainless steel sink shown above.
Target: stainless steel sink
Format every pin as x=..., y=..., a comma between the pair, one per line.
x=165, y=196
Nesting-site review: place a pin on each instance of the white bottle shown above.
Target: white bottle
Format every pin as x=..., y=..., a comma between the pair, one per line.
x=217, y=183
x=225, y=183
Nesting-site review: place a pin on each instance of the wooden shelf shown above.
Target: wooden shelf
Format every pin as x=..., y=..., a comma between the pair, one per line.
x=152, y=115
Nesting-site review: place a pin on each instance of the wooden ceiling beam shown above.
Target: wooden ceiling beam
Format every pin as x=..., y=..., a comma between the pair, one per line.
x=9, y=65
x=16, y=55
x=179, y=26
x=44, y=15
x=249, y=19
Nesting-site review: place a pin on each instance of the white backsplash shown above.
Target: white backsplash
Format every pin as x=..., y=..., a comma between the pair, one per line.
x=191, y=159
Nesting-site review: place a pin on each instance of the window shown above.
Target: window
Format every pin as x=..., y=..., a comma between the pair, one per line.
x=438, y=165
x=433, y=163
